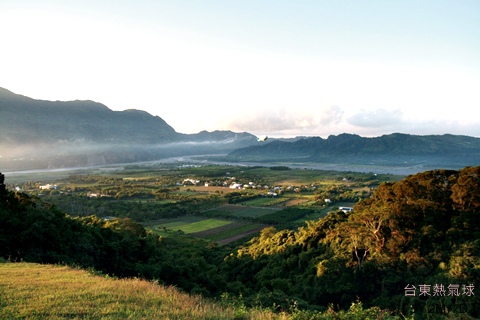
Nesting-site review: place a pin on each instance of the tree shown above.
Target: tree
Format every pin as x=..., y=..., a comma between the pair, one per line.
x=466, y=192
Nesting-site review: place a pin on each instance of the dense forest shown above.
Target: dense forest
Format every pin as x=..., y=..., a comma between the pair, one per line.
x=412, y=247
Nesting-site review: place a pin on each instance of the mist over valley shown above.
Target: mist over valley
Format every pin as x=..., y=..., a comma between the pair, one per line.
x=40, y=134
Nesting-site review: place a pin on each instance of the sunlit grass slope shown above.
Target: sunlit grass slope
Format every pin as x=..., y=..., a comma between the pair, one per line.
x=34, y=291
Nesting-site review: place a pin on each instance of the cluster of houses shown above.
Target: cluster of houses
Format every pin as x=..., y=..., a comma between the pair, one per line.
x=190, y=181
x=96, y=195
x=48, y=187
x=231, y=182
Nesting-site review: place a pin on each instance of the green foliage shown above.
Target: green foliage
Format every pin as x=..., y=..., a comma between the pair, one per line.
x=240, y=196
x=421, y=230
x=280, y=168
x=407, y=232
x=284, y=216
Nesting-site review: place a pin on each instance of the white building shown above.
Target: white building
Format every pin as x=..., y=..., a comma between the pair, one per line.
x=48, y=187
x=236, y=186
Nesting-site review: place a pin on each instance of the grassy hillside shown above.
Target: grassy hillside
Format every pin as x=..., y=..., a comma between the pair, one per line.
x=35, y=291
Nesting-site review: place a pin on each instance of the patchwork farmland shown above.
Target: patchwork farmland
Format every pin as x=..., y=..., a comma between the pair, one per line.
x=217, y=203
x=235, y=222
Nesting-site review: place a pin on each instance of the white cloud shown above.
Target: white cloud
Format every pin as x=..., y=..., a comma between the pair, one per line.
x=288, y=121
x=379, y=118
x=195, y=80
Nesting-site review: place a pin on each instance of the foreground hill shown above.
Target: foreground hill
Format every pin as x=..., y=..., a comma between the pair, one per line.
x=433, y=151
x=34, y=291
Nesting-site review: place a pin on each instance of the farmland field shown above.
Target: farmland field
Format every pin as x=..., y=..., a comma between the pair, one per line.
x=157, y=196
x=202, y=225
x=218, y=230
x=254, y=212
x=230, y=232
x=240, y=211
x=188, y=224
x=264, y=201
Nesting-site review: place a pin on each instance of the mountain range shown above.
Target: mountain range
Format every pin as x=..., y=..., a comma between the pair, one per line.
x=51, y=134
x=26, y=120
x=435, y=151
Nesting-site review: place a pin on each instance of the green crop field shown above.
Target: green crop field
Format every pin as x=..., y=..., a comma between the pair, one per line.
x=202, y=225
x=188, y=224
x=239, y=231
x=254, y=212
x=240, y=211
x=264, y=201
x=218, y=230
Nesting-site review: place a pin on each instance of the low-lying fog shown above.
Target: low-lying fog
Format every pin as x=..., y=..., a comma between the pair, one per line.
x=80, y=154
x=61, y=156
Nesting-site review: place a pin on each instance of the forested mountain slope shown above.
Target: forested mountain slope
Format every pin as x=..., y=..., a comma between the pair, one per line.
x=421, y=231
x=437, y=151
x=37, y=134
x=26, y=120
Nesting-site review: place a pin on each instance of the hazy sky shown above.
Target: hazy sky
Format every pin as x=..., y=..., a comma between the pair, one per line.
x=281, y=68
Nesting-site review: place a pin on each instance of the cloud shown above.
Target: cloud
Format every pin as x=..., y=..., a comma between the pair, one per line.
x=282, y=120
x=330, y=116
x=379, y=118
x=428, y=127
x=325, y=121
x=382, y=121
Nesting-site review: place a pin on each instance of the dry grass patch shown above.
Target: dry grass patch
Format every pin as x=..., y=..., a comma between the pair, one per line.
x=33, y=291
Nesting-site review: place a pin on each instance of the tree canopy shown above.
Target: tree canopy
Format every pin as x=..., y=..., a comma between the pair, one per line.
x=422, y=231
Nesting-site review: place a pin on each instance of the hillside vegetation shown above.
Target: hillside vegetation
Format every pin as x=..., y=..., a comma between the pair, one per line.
x=34, y=291
x=413, y=248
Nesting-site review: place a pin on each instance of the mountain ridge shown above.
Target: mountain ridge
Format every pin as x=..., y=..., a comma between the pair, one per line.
x=56, y=134
x=26, y=120
x=85, y=132
x=394, y=149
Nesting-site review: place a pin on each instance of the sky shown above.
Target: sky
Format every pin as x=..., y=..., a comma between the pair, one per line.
x=273, y=67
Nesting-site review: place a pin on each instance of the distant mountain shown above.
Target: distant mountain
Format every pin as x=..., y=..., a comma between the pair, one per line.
x=394, y=149
x=39, y=133
x=26, y=120
x=54, y=134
